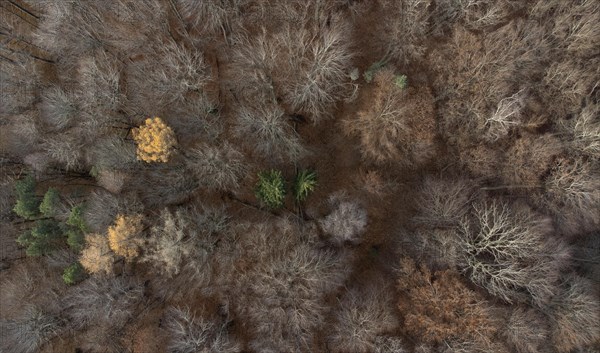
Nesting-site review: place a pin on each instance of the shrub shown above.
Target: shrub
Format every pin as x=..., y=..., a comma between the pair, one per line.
x=73, y=274
x=509, y=251
x=346, y=222
x=124, y=236
x=270, y=189
x=155, y=141
x=304, y=183
x=27, y=205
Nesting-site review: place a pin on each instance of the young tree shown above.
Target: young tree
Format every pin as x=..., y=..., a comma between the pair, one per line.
x=510, y=251
x=124, y=237
x=50, y=203
x=270, y=189
x=74, y=273
x=155, y=141
x=304, y=183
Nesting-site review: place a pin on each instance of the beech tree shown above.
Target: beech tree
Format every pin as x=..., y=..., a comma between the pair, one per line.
x=439, y=308
x=397, y=124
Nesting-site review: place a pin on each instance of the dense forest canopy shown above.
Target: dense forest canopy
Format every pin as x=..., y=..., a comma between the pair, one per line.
x=344, y=176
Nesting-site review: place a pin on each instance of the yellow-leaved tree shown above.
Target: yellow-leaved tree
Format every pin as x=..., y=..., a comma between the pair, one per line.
x=124, y=237
x=155, y=140
x=96, y=257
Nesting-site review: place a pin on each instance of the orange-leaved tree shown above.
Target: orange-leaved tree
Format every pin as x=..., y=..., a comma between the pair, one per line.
x=155, y=140
x=96, y=257
x=124, y=236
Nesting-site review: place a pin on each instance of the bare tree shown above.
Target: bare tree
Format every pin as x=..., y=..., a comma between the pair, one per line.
x=361, y=316
x=443, y=202
x=170, y=243
x=509, y=251
x=346, y=222
x=506, y=117
x=526, y=331
x=575, y=315
x=102, y=300
x=28, y=333
x=274, y=137
x=220, y=168
x=280, y=298
x=59, y=108
x=529, y=159
x=190, y=334
x=572, y=194
x=167, y=75
x=19, y=85
x=586, y=130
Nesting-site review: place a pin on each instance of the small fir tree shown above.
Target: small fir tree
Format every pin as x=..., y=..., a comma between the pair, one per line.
x=27, y=205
